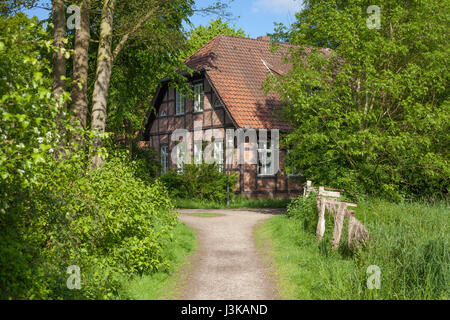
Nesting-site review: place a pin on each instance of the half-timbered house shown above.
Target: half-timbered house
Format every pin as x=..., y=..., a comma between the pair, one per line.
x=228, y=85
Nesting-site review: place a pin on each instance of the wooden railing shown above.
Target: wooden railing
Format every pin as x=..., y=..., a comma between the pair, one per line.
x=328, y=201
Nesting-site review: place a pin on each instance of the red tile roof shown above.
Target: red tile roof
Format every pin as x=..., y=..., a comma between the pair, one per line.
x=236, y=69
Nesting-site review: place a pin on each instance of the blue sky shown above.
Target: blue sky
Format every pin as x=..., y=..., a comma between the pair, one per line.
x=255, y=17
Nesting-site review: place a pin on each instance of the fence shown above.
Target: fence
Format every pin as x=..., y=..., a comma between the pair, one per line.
x=328, y=201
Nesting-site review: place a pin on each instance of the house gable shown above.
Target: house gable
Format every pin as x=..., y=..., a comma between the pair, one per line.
x=163, y=120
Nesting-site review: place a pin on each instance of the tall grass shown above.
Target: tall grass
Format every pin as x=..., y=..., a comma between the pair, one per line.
x=409, y=242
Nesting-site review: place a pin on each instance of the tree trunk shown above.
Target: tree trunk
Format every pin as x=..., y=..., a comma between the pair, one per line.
x=79, y=104
x=103, y=76
x=59, y=62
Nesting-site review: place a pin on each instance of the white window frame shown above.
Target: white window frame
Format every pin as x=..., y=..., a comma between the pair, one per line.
x=198, y=97
x=218, y=154
x=179, y=103
x=164, y=153
x=265, y=169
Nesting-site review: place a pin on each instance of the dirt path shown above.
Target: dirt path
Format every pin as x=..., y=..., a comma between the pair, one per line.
x=227, y=265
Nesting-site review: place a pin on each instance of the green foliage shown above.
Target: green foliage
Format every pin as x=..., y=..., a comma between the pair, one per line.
x=201, y=182
x=163, y=284
x=27, y=133
x=8, y=7
x=107, y=222
x=304, y=210
x=55, y=211
x=409, y=242
x=29, y=137
x=201, y=35
x=152, y=54
x=372, y=114
x=146, y=162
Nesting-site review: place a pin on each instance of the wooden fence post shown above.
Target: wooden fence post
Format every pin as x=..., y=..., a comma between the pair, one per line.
x=338, y=224
x=321, y=222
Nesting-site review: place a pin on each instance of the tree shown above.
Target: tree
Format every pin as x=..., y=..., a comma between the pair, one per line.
x=157, y=13
x=201, y=35
x=79, y=105
x=59, y=34
x=158, y=23
x=370, y=114
x=156, y=27
x=8, y=7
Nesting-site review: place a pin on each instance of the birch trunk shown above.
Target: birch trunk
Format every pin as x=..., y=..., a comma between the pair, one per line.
x=79, y=104
x=103, y=76
x=59, y=61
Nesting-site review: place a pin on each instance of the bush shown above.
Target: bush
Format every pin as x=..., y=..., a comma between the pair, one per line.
x=304, y=210
x=201, y=182
x=107, y=222
x=55, y=210
x=117, y=223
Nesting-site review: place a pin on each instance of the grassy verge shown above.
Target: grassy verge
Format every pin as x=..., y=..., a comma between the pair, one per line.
x=409, y=243
x=163, y=284
x=236, y=203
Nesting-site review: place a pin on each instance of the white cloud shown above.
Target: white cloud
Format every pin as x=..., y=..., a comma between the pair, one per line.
x=277, y=6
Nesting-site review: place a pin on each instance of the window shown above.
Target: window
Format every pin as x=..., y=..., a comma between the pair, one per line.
x=265, y=167
x=164, y=152
x=218, y=154
x=179, y=104
x=198, y=97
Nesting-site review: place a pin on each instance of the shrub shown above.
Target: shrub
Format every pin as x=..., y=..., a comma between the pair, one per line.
x=55, y=211
x=201, y=182
x=304, y=210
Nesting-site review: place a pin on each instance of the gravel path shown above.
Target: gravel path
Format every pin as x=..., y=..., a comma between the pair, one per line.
x=227, y=265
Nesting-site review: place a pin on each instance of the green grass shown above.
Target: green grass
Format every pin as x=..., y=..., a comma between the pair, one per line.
x=236, y=203
x=164, y=283
x=205, y=214
x=409, y=243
